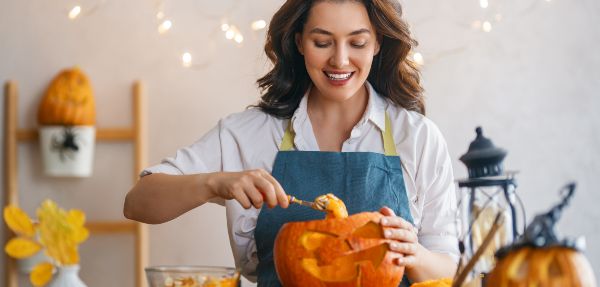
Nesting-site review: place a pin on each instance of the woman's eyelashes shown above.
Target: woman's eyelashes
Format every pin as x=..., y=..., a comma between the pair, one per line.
x=353, y=44
x=322, y=44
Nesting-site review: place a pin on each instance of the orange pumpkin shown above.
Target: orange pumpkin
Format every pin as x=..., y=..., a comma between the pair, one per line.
x=444, y=282
x=336, y=252
x=69, y=100
x=545, y=266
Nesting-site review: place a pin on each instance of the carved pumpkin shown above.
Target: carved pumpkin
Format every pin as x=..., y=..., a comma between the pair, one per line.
x=69, y=100
x=540, y=258
x=546, y=266
x=336, y=252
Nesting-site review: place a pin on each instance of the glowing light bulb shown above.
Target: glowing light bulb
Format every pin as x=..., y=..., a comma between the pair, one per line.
x=74, y=12
x=487, y=26
x=230, y=34
x=160, y=15
x=225, y=27
x=258, y=25
x=164, y=26
x=418, y=58
x=484, y=3
x=186, y=59
x=239, y=38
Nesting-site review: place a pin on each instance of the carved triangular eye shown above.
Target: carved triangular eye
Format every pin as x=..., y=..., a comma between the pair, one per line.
x=369, y=230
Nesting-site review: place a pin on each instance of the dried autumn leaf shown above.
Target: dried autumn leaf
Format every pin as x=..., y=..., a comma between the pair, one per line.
x=76, y=217
x=80, y=234
x=20, y=247
x=18, y=221
x=41, y=274
x=60, y=232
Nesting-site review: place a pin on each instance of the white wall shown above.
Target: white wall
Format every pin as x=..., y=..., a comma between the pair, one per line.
x=532, y=82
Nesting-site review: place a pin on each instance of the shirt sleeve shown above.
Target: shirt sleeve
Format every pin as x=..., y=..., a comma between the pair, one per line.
x=203, y=156
x=438, y=230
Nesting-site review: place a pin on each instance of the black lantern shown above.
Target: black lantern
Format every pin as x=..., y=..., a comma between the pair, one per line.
x=487, y=192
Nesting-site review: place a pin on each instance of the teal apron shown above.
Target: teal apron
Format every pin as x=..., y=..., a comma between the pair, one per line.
x=365, y=181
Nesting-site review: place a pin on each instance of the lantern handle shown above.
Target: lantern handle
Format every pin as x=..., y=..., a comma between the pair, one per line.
x=542, y=231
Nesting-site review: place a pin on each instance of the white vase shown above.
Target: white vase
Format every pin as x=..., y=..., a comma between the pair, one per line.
x=67, y=276
x=26, y=264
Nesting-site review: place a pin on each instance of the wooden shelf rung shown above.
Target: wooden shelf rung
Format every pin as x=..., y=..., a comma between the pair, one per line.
x=111, y=227
x=109, y=134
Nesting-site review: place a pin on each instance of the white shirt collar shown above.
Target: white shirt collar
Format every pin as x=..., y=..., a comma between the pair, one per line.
x=375, y=111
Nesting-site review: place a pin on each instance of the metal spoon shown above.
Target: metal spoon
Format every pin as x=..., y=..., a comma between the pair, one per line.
x=320, y=206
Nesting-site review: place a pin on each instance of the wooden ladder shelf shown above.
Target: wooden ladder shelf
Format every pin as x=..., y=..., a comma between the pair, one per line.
x=136, y=134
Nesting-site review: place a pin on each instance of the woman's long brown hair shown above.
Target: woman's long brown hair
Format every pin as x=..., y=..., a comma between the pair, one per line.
x=392, y=74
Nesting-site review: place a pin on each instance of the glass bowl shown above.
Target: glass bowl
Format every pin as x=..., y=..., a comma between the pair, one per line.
x=192, y=276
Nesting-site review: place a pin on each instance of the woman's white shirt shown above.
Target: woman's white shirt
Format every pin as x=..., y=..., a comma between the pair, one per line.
x=250, y=140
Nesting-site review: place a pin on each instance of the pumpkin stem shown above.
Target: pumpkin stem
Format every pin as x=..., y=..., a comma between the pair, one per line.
x=541, y=232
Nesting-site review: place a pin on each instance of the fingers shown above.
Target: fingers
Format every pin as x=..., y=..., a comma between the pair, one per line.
x=242, y=198
x=256, y=187
x=280, y=194
x=397, y=222
x=387, y=211
x=398, y=234
x=406, y=261
x=405, y=248
x=255, y=196
x=267, y=190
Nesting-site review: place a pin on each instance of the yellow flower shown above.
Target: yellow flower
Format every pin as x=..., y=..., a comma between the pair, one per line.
x=41, y=274
x=18, y=221
x=59, y=232
x=21, y=247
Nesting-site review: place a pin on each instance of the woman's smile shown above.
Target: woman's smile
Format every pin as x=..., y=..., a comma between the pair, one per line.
x=338, y=78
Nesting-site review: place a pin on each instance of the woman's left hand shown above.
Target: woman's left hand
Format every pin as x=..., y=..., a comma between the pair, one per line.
x=404, y=235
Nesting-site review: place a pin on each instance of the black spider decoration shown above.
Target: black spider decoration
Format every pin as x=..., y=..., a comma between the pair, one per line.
x=67, y=145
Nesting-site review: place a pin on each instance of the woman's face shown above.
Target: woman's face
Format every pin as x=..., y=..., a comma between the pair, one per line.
x=338, y=43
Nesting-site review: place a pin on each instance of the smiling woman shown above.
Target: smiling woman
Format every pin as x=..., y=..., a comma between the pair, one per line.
x=366, y=28
x=342, y=113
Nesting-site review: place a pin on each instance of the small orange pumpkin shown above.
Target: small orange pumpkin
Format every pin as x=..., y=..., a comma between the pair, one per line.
x=336, y=252
x=69, y=100
x=546, y=266
x=444, y=282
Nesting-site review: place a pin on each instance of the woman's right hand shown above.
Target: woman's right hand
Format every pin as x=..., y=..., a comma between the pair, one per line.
x=249, y=188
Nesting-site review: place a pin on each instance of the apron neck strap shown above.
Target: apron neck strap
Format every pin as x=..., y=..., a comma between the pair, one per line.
x=287, y=143
x=389, y=146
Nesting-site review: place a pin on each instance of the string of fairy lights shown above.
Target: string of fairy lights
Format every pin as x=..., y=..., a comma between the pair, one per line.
x=234, y=33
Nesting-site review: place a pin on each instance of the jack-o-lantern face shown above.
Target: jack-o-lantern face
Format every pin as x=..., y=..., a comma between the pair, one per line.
x=546, y=266
x=336, y=252
x=69, y=100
